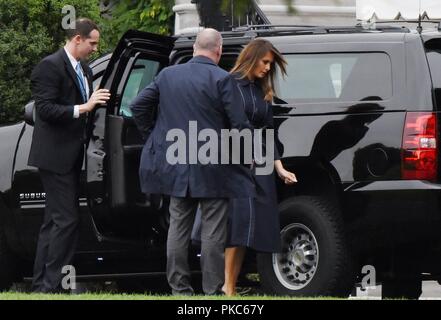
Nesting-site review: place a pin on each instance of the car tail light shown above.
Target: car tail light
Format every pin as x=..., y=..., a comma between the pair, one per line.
x=419, y=148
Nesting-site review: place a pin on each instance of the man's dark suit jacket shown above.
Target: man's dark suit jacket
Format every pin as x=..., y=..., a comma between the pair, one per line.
x=199, y=91
x=58, y=137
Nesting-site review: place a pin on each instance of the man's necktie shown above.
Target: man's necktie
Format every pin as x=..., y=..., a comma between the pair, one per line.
x=81, y=81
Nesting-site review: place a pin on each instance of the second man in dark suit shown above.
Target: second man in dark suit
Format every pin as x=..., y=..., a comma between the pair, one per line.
x=191, y=97
x=62, y=88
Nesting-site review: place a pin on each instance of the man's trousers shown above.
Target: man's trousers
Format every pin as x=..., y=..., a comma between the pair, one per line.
x=214, y=216
x=59, y=231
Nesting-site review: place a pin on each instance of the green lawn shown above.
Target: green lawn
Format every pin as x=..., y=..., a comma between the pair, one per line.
x=119, y=296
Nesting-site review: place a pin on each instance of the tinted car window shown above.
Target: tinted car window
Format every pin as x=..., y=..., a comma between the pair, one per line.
x=96, y=82
x=434, y=59
x=141, y=75
x=336, y=77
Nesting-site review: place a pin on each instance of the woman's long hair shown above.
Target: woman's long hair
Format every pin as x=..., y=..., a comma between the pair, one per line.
x=249, y=58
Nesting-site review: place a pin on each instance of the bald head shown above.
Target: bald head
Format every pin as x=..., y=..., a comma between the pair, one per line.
x=208, y=43
x=208, y=39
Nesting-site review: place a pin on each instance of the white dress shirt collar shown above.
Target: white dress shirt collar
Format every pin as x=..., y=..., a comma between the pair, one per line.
x=72, y=60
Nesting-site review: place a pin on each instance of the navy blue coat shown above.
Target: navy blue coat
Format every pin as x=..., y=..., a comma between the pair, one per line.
x=198, y=91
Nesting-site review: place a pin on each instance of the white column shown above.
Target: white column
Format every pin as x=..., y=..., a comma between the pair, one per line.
x=186, y=17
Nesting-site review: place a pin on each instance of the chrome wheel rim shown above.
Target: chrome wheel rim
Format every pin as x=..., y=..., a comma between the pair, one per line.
x=296, y=265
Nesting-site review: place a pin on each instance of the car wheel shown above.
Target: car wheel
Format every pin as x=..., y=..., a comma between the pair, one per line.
x=314, y=260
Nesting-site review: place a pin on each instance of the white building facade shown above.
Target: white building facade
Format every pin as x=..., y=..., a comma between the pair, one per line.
x=309, y=12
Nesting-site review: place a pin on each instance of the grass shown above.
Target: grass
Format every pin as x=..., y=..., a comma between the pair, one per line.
x=111, y=291
x=120, y=296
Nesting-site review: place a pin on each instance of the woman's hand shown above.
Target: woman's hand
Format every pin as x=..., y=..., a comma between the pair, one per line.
x=287, y=176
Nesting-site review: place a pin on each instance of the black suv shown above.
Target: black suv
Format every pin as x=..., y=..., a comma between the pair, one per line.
x=357, y=120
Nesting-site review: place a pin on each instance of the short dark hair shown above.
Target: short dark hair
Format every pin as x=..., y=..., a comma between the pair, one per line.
x=83, y=27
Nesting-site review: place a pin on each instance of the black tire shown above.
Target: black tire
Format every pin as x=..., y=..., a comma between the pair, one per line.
x=8, y=265
x=315, y=260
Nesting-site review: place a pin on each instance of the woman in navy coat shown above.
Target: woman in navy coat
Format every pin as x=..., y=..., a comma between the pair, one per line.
x=254, y=222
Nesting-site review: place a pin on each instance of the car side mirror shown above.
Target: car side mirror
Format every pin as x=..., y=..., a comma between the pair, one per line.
x=29, y=113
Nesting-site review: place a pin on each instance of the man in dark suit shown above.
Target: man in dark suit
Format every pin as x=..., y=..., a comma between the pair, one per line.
x=61, y=86
x=202, y=92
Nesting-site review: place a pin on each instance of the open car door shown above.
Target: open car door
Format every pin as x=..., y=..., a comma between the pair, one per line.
x=118, y=206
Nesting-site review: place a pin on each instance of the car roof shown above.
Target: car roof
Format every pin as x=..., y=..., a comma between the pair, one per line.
x=281, y=35
x=310, y=34
x=342, y=37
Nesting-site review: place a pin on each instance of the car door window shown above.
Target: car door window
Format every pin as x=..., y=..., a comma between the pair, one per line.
x=142, y=73
x=97, y=81
x=433, y=51
x=336, y=77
